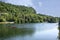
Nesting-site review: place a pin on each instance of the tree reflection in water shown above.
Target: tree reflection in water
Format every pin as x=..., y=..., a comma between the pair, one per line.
x=7, y=31
x=59, y=30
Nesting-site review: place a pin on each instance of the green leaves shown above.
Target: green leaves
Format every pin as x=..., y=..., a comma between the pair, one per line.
x=22, y=14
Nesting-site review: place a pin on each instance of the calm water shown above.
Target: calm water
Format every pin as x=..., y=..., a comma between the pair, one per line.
x=40, y=31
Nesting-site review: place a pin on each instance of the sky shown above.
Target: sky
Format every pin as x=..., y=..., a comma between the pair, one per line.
x=47, y=7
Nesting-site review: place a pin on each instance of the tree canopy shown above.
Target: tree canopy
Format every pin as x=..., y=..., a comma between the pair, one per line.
x=22, y=14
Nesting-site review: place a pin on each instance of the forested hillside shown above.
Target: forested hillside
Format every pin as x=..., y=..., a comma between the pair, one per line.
x=22, y=14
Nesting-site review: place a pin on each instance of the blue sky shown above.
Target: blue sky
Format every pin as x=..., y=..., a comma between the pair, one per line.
x=48, y=7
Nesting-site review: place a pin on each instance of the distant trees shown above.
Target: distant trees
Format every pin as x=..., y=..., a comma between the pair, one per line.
x=23, y=14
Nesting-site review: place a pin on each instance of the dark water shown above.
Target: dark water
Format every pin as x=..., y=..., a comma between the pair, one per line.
x=40, y=31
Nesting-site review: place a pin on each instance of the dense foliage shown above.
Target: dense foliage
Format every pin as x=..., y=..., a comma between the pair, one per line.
x=22, y=14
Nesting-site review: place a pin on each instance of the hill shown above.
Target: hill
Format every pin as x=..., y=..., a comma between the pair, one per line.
x=22, y=14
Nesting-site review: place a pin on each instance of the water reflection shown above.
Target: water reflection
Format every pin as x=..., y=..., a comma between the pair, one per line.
x=8, y=31
x=33, y=31
x=59, y=32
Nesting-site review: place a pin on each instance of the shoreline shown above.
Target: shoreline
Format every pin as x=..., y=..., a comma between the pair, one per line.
x=6, y=22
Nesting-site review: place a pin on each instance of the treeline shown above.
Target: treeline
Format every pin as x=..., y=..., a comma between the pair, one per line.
x=22, y=14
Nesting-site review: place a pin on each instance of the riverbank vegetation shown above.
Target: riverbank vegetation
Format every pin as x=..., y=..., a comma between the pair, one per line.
x=22, y=14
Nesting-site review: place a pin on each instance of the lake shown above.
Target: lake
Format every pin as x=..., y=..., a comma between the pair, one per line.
x=35, y=31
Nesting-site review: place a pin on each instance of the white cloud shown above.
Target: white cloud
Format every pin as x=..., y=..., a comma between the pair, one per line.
x=40, y=4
